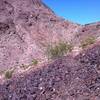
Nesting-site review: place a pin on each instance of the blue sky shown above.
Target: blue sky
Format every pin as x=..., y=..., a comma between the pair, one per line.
x=79, y=11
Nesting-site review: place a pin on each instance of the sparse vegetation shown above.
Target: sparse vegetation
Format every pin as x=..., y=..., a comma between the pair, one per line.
x=88, y=41
x=8, y=74
x=58, y=50
x=34, y=62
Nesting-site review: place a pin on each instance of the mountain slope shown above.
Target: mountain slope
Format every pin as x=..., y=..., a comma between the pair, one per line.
x=27, y=27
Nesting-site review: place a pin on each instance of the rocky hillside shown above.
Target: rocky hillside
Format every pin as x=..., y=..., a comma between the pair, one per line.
x=67, y=78
x=28, y=28
x=92, y=29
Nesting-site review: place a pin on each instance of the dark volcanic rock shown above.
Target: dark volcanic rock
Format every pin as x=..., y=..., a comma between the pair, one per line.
x=66, y=79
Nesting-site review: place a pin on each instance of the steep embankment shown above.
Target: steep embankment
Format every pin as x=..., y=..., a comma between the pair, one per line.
x=67, y=78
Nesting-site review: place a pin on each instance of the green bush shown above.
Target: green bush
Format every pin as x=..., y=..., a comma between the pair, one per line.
x=34, y=62
x=58, y=50
x=88, y=41
x=8, y=74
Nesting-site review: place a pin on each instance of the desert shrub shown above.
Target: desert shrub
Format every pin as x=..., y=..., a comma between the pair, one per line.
x=34, y=62
x=58, y=50
x=88, y=41
x=8, y=74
